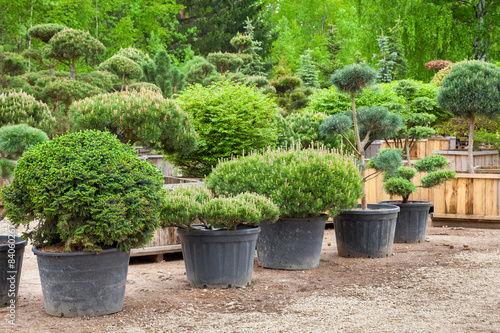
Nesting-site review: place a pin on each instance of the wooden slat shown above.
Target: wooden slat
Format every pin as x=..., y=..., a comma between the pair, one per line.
x=483, y=218
x=156, y=250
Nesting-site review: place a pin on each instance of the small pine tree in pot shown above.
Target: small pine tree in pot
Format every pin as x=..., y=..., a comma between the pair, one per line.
x=90, y=193
x=304, y=184
x=228, y=230
x=412, y=218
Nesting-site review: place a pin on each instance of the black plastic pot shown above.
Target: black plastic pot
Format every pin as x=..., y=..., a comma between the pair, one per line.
x=291, y=243
x=219, y=258
x=78, y=284
x=10, y=275
x=412, y=220
x=366, y=233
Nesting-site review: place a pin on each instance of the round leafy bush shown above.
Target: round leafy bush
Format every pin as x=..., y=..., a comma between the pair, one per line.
x=230, y=119
x=303, y=183
x=144, y=85
x=353, y=78
x=88, y=190
x=286, y=83
x=200, y=70
x=19, y=107
x=225, y=62
x=144, y=117
x=67, y=91
x=7, y=168
x=182, y=207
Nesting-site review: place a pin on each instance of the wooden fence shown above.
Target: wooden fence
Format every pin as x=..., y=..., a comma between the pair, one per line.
x=458, y=158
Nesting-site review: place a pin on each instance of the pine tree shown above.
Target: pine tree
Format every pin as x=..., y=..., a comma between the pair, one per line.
x=396, y=46
x=386, y=62
x=255, y=66
x=163, y=73
x=307, y=71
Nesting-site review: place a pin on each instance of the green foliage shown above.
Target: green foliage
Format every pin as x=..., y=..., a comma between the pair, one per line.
x=286, y=84
x=241, y=42
x=144, y=117
x=134, y=54
x=199, y=70
x=181, y=209
x=334, y=44
x=15, y=139
x=303, y=127
x=19, y=107
x=164, y=74
x=45, y=32
x=353, y=78
x=101, y=79
x=388, y=161
x=407, y=173
x=88, y=190
x=431, y=163
x=307, y=71
x=225, y=62
x=230, y=119
x=303, y=183
x=386, y=62
x=440, y=75
x=406, y=88
x=138, y=86
x=122, y=67
x=7, y=168
x=254, y=65
x=11, y=64
x=436, y=178
x=471, y=88
x=399, y=186
x=491, y=138
x=257, y=81
x=68, y=91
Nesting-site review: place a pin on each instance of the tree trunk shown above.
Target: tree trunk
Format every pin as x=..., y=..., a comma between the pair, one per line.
x=361, y=149
x=407, y=139
x=52, y=67
x=123, y=81
x=72, y=70
x=470, y=161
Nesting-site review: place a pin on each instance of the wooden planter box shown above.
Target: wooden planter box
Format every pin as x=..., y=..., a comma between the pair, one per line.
x=425, y=147
x=165, y=240
x=471, y=200
x=458, y=158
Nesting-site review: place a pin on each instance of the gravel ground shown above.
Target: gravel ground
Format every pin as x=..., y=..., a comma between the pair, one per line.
x=450, y=283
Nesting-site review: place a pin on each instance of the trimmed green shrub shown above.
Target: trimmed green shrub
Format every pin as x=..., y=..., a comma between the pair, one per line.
x=67, y=91
x=101, y=79
x=7, y=168
x=231, y=119
x=134, y=54
x=122, y=67
x=88, y=190
x=11, y=64
x=43, y=32
x=200, y=70
x=19, y=108
x=471, y=89
x=303, y=183
x=15, y=139
x=398, y=182
x=182, y=208
x=144, y=85
x=144, y=117
x=225, y=62
x=164, y=74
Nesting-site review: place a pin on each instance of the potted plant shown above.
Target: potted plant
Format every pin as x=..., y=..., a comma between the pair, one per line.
x=367, y=231
x=304, y=184
x=219, y=250
x=94, y=200
x=412, y=218
x=14, y=140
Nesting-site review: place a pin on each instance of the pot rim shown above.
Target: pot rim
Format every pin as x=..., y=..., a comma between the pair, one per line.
x=409, y=203
x=242, y=230
x=377, y=209
x=38, y=252
x=19, y=243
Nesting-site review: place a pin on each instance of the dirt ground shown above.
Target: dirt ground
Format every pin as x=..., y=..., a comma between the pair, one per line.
x=450, y=283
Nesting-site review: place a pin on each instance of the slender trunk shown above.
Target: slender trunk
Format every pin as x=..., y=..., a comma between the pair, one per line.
x=361, y=149
x=52, y=67
x=72, y=71
x=470, y=162
x=29, y=38
x=123, y=80
x=19, y=48
x=407, y=140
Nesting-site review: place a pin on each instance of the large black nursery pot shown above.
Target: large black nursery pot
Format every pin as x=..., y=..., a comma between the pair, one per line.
x=77, y=284
x=366, y=233
x=412, y=220
x=11, y=262
x=219, y=258
x=291, y=243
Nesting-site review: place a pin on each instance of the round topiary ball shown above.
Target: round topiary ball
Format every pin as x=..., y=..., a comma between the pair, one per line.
x=88, y=190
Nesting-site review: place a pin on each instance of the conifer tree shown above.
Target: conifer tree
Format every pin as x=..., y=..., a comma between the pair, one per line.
x=163, y=73
x=307, y=71
x=44, y=33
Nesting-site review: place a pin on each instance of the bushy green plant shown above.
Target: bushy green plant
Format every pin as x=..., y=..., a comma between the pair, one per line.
x=181, y=208
x=164, y=74
x=67, y=91
x=258, y=81
x=303, y=183
x=88, y=190
x=7, y=168
x=225, y=62
x=101, y=79
x=491, y=138
x=43, y=32
x=21, y=108
x=200, y=70
x=122, y=67
x=144, y=117
x=134, y=54
x=11, y=64
x=230, y=119
x=472, y=88
x=138, y=86
x=307, y=71
x=398, y=182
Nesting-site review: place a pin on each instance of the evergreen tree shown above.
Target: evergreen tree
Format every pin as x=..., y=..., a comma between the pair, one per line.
x=164, y=74
x=307, y=71
x=44, y=33
x=255, y=66
x=396, y=47
x=334, y=47
x=386, y=62
x=123, y=67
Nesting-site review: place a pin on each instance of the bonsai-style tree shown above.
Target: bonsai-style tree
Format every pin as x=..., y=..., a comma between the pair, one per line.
x=472, y=88
x=307, y=71
x=144, y=117
x=200, y=70
x=67, y=91
x=88, y=190
x=407, y=89
x=225, y=62
x=164, y=74
x=134, y=54
x=11, y=64
x=69, y=45
x=43, y=32
x=21, y=108
x=353, y=79
x=122, y=67
x=398, y=182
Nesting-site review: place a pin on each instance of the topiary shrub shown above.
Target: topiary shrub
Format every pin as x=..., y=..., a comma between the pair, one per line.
x=144, y=117
x=88, y=190
x=225, y=62
x=101, y=79
x=122, y=67
x=200, y=70
x=67, y=91
x=19, y=108
x=138, y=86
x=134, y=54
x=303, y=183
x=11, y=64
x=472, y=88
x=230, y=119
x=399, y=182
x=181, y=208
